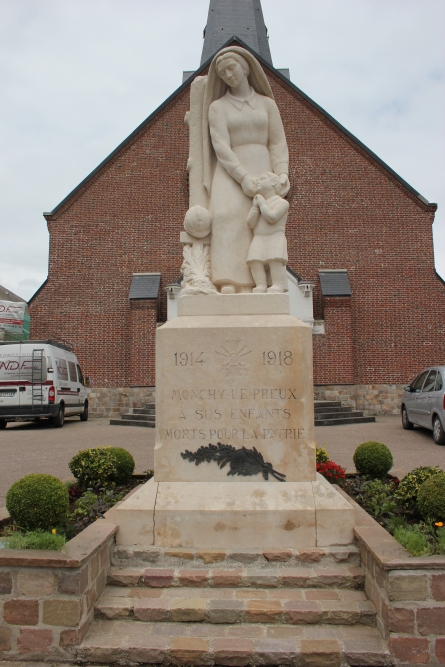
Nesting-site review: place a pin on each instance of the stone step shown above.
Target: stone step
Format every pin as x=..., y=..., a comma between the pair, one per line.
x=138, y=556
x=338, y=415
x=138, y=417
x=332, y=408
x=150, y=406
x=327, y=403
x=236, y=605
x=131, y=641
x=131, y=422
x=303, y=577
x=344, y=420
x=144, y=411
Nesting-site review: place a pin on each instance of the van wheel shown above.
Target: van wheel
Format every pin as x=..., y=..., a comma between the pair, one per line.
x=59, y=419
x=407, y=425
x=2, y=423
x=438, y=432
x=84, y=415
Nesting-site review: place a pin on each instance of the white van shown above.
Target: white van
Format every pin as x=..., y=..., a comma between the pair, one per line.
x=38, y=379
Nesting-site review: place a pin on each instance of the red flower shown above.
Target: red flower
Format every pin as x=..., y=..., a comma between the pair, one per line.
x=331, y=471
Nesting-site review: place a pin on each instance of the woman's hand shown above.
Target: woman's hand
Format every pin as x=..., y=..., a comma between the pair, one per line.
x=284, y=182
x=248, y=185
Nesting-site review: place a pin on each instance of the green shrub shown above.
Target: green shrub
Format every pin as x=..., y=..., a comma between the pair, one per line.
x=321, y=455
x=94, y=468
x=124, y=464
x=373, y=459
x=38, y=501
x=431, y=498
x=408, y=488
x=413, y=539
x=377, y=498
x=36, y=539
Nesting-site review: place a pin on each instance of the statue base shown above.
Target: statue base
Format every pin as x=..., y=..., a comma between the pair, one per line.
x=210, y=515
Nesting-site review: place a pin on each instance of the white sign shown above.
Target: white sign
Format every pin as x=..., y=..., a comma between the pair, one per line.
x=12, y=314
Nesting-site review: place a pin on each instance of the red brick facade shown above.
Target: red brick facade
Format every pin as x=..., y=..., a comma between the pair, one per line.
x=347, y=212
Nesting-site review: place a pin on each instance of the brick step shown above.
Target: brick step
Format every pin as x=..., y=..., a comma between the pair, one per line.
x=131, y=422
x=138, y=417
x=138, y=556
x=344, y=420
x=131, y=641
x=236, y=605
x=150, y=406
x=144, y=411
x=303, y=577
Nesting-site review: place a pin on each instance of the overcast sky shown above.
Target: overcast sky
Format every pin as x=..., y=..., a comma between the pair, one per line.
x=77, y=77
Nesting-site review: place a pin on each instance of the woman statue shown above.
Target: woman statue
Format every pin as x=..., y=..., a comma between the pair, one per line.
x=243, y=137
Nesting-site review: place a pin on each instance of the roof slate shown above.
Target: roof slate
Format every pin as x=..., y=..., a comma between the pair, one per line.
x=235, y=17
x=145, y=286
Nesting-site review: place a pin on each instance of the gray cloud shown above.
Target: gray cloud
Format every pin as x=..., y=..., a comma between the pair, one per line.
x=79, y=77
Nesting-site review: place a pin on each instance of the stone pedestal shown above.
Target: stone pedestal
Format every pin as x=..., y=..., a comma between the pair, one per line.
x=234, y=454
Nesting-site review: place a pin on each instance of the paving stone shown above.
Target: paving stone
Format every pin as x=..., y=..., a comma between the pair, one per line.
x=227, y=577
x=193, y=577
x=185, y=610
x=114, y=608
x=249, y=631
x=321, y=594
x=225, y=611
x=21, y=612
x=263, y=611
x=262, y=578
x=299, y=613
x=283, y=632
x=62, y=612
x=145, y=592
x=339, y=613
x=190, y=651
x=296, y=577
x=246, y=556
x=251, y=593
x=233, y=652
x=147, y=649
x=320, y=653
x=366, y=653
x=211, y=555
x=32, y=583
x=124, y=577
x=184, y=554
x=309, y=555
x=33, y=640
x=286, y=593
x=148, y=609
x=411, y=650
x=279, y=556
x=158, y=578
x=276, y=651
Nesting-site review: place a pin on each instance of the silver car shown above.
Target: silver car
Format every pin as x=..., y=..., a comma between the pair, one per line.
x=423, y=402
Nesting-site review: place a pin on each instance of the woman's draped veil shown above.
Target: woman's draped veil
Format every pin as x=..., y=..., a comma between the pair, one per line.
x=216, y=88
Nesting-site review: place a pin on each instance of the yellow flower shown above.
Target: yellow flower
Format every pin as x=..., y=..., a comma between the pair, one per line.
x=439, y=524
x=54, y=531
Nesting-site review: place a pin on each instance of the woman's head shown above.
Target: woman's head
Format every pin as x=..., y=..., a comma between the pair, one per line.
x=232, y=68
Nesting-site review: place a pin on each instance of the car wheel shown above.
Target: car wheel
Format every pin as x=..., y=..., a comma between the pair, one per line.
x=84, y=414
x=2, y=423
x=438, y=432
x=407, y=425
x=59, y=420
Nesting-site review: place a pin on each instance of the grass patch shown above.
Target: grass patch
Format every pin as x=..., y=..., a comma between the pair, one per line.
x=35, y=539
x=413, y=539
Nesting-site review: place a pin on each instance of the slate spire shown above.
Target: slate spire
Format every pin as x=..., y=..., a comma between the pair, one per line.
x=243, y=18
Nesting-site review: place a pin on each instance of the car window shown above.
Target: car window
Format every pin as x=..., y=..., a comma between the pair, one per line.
x=416, y=386
x=62, y=369
x=79, y=373
x=430, y=382
x=72, y=371
x=439, y=382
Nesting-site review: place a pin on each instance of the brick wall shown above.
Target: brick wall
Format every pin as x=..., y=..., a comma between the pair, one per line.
x=346, y=212
x=333, y=350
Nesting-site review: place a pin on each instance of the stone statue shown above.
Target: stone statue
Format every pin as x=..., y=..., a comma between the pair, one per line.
x=236, y=136
x=268, y=249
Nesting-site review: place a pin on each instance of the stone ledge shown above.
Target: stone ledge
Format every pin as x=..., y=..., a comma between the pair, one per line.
x=77, y=551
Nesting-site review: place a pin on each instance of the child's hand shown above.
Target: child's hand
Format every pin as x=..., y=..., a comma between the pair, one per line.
x=258, y=200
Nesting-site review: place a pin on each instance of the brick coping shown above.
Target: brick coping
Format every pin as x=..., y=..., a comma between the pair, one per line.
x=388, y=553
x=75, y=553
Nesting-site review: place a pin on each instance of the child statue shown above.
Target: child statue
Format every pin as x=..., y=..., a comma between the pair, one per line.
x=267, y=218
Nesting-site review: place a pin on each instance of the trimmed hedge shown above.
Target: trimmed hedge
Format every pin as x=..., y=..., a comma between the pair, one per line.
x=38, y=502
x=373, y=459
x=124, y=464
x=431, y=498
